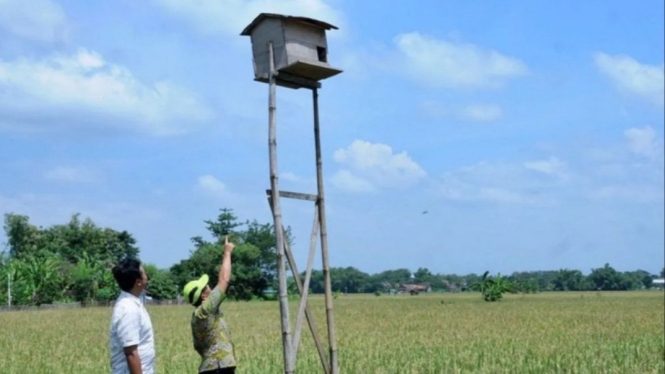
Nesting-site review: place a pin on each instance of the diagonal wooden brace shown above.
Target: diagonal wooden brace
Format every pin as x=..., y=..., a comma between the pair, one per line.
x=308, y=312
x=304, y=292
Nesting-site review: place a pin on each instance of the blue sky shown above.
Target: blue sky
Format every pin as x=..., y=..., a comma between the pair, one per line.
x=531, y=131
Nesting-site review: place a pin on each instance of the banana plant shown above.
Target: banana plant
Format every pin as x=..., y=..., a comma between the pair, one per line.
x=492, y=288
x=39, y=278
x=88, y=274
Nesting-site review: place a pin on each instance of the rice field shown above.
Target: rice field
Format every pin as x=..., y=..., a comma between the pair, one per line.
x=436, y=333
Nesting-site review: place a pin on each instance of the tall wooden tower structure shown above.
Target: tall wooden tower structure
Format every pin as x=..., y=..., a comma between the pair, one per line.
x=292, y=52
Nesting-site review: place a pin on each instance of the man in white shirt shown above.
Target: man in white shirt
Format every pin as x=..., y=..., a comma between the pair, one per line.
x=131, y=337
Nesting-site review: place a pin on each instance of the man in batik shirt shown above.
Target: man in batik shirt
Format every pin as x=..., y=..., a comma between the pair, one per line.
x=211, y=333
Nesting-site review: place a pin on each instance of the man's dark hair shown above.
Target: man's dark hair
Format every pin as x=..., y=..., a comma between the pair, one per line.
x=126, y=272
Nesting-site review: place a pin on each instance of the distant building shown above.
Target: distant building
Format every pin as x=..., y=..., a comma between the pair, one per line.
x=423, y=287
x=658, y=283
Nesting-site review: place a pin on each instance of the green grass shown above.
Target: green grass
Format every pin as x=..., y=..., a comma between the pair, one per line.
x=545, y=333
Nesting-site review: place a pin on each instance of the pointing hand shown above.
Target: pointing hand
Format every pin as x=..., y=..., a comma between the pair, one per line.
x=228, y=246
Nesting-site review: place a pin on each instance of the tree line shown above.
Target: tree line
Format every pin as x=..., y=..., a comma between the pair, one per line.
x=72, y=262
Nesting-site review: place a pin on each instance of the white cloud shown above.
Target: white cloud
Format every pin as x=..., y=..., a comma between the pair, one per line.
x=297, y=183
x=632, y=77
x=143, y=220
x=290, y=176
x=504, y=196
x=213, y=185
x=440, y=63
x=296, y=178
x=434, y=109
x=72, y=175
x=472, y=112
x=212, y=189
x=46, y=209
x=493, y=182
x=347, y=181
x=552, y=166
x=375, y=164
x=40, y=20
x=643, y=142
x=482, y=113
x=640, y=193
x=85, y=89
x=230, y=17
x=467, y=192
x=605, y=175
x=13, y=204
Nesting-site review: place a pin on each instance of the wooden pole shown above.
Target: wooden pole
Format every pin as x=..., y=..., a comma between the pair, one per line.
x=277, y=217
x=332, y=341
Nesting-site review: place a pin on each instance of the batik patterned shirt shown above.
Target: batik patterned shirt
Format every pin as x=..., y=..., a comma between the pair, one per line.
x=211, y=334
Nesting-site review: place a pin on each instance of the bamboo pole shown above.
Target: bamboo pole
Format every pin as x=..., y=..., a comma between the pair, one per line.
x=332, y=341
x=277, y=217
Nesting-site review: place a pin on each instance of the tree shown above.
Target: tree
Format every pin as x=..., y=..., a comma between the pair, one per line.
x=23, y=238
x=492, y=288
x=203, y=260
x=104, y=244
x=526, y=286
x=254, y=258
x=569, y=280
x=108, y=287
x=225, y=224
x=60, y=262
x=38, y=280
x=86, y=274
x=483, y=285
x=395, y=276
x=638, y=279
x=350, y=280
x=161, y=285
x=68, y=241
x=316, y=282
x=606, y=279
x=423, y=275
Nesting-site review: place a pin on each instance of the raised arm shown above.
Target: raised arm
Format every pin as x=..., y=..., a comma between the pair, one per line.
x=225, y=269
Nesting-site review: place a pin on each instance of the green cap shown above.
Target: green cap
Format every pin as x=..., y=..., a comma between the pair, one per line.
x=193, y=289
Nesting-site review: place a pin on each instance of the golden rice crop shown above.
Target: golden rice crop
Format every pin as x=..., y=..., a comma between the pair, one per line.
x=436, y=333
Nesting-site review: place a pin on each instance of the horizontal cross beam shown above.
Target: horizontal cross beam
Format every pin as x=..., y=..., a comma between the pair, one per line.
x=295, y=195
